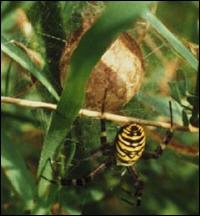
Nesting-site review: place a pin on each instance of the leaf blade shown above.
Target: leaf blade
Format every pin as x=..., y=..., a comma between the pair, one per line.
x=171, y=39
x=19, y=56
x=16, y=171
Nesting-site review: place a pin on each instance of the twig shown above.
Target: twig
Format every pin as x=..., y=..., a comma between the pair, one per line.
x=94, y=114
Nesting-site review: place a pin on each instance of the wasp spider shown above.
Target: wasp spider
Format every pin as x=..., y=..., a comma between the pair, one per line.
x=128, y=148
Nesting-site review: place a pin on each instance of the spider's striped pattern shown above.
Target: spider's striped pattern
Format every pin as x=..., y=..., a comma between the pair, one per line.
x=129, y=144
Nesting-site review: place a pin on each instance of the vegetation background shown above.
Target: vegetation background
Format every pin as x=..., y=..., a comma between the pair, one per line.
x=32, y=38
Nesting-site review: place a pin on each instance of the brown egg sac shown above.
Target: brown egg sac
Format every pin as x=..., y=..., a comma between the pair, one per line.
x=120, y=71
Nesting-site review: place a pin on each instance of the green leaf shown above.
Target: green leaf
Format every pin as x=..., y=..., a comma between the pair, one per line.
x=16, y=171
x=24, y=61
x=171, y=39
x=44, y=203
x=117, y=17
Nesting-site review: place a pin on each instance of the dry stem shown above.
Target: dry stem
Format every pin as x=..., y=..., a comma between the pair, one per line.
x=94, y=114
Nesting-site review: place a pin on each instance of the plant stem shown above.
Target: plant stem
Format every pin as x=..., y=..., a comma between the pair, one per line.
x=94, y=114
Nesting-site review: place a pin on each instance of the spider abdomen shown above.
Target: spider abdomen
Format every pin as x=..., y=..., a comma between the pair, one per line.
x=129, y=144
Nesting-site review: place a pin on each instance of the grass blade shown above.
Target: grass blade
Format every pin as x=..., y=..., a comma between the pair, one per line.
x=16, y=171
x=24, y=61
x=171, y=39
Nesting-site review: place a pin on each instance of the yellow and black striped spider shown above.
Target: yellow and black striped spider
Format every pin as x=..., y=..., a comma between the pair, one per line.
x=128, y=148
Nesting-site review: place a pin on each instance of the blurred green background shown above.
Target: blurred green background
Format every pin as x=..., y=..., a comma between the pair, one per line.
x=171, y=182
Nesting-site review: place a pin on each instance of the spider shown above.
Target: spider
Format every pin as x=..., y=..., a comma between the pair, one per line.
x=128, y=148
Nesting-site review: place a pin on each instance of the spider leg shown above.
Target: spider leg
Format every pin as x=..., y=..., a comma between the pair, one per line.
x=53, y=171
x=103, y=137
x=159, y=150
x=138, y=184
x=102, y=150
x=85, y=180
x=51, y=164
x=50, y=180
x=168, y=136
x=139, y=187
x=126, y=200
